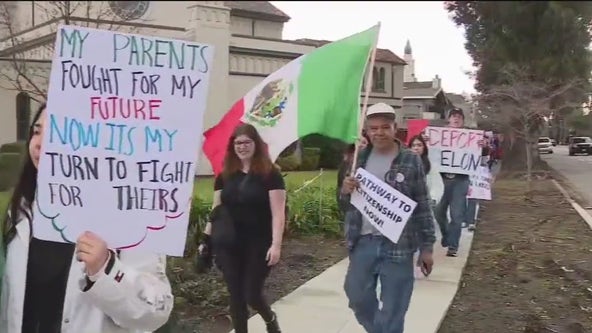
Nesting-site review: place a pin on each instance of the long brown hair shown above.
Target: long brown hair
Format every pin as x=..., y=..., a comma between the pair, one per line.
x=261, y=163
x=427, y=166
x=23, y=195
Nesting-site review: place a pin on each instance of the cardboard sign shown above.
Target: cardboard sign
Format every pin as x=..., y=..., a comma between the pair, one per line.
x=386, y=208
x=455, y=150
x=480, y=184
x=123, y=130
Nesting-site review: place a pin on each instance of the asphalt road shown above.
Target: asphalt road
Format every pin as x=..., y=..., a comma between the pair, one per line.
x=577, y=169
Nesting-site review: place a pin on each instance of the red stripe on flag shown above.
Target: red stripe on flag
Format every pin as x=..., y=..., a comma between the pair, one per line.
x=415, y=127
x=216, y=138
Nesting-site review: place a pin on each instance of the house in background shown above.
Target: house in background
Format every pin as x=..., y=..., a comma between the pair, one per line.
x=428, y=100
x=425, y=100
x=247, y=37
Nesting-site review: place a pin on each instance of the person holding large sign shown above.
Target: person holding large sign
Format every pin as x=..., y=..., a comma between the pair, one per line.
x=372, y=253
x=54, y=287
x=456, y=184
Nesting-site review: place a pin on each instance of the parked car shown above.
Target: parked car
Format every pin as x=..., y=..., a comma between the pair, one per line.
x=545, y=145
x=580, y=145
x=553, y=142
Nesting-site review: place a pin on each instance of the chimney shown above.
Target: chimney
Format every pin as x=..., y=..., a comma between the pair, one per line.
x=437, y=82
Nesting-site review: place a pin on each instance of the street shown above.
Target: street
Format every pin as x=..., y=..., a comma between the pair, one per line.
x=575, y=168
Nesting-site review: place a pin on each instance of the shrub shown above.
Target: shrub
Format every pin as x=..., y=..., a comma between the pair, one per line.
x=14, y=147
x=310, y=159
x=288, y=163
x=331, y=150
x=10, y=164
x=313, y=210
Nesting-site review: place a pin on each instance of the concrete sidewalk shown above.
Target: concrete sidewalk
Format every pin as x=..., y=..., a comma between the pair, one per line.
x=320, y=305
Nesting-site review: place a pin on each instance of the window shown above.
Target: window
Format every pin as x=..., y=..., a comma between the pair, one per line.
x=378, y=76
x=23, y=116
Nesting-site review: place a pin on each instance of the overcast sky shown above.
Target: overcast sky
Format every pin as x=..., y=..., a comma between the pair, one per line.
x=438, y=45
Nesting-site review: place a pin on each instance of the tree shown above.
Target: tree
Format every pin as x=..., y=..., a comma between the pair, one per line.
x=522, y=106
x=548, y=39
x=26, y=72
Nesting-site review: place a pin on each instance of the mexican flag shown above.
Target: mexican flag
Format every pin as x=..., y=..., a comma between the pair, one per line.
x=318, y=93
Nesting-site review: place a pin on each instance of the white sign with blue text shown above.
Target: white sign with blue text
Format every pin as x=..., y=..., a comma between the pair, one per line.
x=386, y=208
x=122, y=135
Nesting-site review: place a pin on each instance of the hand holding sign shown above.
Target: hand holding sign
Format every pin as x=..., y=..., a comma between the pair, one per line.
x=349, y=185
x=91, y=250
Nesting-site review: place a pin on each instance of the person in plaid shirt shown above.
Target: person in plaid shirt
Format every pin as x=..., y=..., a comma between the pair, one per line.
x=373, y=256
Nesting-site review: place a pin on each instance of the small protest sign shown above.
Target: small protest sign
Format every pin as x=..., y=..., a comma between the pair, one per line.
x=455, y=150
x=480, y=184
x=386, y=208
x=123, y=127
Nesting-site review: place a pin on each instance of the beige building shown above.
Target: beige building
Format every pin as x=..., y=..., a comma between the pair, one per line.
x=247, y=37
x=427, y=99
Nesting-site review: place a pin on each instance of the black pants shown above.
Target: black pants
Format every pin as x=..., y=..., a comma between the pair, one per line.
x=245, y=269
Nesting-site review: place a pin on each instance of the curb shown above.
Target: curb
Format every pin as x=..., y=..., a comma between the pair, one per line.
x=583, y=213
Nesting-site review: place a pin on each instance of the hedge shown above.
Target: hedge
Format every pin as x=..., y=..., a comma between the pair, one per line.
x=331, y=150
x=10, y=165
x=310, y=159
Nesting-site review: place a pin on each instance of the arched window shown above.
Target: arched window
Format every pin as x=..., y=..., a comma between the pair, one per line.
x=378, y=76
x=23, y=116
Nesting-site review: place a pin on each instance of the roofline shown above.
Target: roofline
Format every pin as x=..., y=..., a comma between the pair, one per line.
x=259, y=15
x=419, y=97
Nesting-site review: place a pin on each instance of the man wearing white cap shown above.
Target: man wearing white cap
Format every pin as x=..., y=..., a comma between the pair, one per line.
x=372, y=255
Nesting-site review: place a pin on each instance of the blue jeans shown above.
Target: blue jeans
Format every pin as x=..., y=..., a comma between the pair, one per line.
x=369, y=261
x=471, y=211
x=455, y=197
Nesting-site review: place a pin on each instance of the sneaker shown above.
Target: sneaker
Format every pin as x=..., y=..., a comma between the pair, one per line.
x=451, y=253
x=472, y=227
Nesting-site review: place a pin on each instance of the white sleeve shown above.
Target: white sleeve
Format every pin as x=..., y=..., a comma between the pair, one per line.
x=435, y=183
x=133, y=291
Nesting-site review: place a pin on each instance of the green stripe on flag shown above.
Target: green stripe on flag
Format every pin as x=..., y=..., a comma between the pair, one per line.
x=329, y=86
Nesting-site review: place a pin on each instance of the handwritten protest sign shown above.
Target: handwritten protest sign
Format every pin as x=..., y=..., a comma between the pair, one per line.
x=386, y=208
x=480, y=184
x=123, y=128
x=455, y=150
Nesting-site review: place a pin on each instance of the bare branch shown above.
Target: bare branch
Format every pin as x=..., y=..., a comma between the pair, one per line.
x=523, y=105
x=21, y=73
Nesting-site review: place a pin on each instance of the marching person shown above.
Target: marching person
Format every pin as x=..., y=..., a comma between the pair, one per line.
x=373, y=256
x=51, y=287
x=434, y=179
x=247, y=227
x=456, y=188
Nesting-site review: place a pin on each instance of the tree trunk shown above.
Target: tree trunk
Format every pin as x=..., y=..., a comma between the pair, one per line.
x=529, y=152
x=515, y=154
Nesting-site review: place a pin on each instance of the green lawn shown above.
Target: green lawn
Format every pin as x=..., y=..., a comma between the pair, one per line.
x=204, y=186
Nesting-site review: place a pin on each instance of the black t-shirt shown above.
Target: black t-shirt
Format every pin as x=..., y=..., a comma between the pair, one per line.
x=248, y=203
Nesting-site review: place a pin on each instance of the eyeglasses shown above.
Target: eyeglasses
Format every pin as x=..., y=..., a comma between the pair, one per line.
x=243, y=143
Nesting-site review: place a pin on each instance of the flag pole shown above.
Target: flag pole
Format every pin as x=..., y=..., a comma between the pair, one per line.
x=367, y=89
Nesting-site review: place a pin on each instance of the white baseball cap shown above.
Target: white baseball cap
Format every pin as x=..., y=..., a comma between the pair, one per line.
x=380, y=108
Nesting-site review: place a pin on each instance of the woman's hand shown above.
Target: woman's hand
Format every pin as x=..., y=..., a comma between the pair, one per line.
x=273, y=254
x=93, y=251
